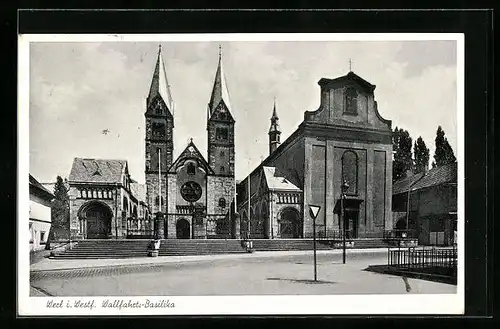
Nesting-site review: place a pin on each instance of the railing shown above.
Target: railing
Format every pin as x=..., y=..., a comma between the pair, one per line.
x=398, y=234
x=413, y=258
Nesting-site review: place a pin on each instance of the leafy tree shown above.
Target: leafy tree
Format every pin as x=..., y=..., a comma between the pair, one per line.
x=421, y=153
x=443, y=153
x=60, y=211
x=402, y=143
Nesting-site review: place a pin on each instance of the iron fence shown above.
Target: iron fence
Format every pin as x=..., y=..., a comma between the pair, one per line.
x=421, y=258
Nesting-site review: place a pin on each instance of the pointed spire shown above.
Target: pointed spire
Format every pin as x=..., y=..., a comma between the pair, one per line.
x=275, y=126
x=275, y=114
x=219, y=90
x=159, y=83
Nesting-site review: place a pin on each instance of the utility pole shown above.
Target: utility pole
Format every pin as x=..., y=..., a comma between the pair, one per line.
x=314, y=211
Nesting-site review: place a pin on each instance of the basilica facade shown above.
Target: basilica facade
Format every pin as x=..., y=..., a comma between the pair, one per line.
x=191, y=195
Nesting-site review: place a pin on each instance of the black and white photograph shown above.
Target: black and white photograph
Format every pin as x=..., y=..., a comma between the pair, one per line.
x=248, y=173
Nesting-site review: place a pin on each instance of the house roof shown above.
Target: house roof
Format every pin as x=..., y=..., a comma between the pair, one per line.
x=36, y=184
x=97, y=170
x=403, y=185
x=435, y=176
x=276, y=181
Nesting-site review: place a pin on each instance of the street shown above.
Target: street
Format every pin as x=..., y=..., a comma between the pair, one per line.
x=251, y=274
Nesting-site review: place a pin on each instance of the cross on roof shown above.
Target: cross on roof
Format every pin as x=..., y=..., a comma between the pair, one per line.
x=350, y=65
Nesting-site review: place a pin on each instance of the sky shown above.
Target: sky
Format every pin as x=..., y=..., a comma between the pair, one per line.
x=79, y=89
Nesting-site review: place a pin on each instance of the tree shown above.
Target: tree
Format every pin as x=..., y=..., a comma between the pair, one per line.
x=443, y=153
x=403, y=161
x=60, y=211
x=421, y=153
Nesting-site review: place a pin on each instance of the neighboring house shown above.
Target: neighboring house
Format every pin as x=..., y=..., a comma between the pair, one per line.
x=431, y=212
x=101, y=197
x=40, y=214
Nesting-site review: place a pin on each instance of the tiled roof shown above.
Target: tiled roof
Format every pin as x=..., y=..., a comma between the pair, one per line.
x=34, y=183
x=439, y=175
x=435, y=176
x=276, y=181
x=97, y=170
x=403, y=185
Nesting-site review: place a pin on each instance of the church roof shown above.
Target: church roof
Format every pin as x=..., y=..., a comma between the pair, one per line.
x=159, y=84
x=351, y=76
x=97, y=170
x=219, y=91
x=190, y=152
x=276, y=181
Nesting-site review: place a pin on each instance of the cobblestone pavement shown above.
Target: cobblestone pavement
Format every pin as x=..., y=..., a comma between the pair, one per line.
x=291, y=274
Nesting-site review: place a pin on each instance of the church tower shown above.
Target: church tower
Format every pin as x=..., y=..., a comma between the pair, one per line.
x=159, y=137
x=220, y=126
x=274, y=131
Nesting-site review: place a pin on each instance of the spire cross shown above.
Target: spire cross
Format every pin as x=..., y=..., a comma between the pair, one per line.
x=159, y=48
x=350, y=65
x=220, y=52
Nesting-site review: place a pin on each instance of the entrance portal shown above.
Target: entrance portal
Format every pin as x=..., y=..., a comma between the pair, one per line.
x=98, y=220
x=289, y=224
x=351, y=224
x=183, y=229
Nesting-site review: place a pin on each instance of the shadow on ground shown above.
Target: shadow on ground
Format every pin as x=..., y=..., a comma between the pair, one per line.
x=308, y=281
x=428, y=274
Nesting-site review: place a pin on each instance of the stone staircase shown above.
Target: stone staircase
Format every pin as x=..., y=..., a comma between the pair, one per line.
x=181, y=247
x=107, y=249
x=289, y=244
x=102, y=249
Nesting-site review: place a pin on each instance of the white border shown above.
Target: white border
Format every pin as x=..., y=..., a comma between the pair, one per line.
x=225, y=305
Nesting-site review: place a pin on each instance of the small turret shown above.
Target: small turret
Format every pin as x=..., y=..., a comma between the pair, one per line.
x=274, y=131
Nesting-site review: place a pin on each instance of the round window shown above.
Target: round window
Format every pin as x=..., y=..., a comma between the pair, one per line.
x=191, y=191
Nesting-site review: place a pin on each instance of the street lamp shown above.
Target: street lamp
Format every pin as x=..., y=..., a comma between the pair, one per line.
x=344, y=187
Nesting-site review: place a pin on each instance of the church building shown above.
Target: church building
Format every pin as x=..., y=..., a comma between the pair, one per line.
x=190, y=195
x=345, y=140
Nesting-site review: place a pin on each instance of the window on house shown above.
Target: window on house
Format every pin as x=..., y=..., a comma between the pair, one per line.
x=191, y=169
x=222, y=202
x=221, y=133
x=42, y=236
x=351, y=101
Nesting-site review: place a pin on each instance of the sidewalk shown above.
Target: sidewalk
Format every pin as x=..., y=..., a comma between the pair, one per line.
x=65, y=264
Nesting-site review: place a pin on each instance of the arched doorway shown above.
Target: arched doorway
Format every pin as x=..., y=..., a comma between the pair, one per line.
x=289, y=224
x=98, y=220
x=183, y=229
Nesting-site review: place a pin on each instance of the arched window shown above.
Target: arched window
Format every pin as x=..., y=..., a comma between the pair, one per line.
x=222, y=203
x=221, y=133
x=351, y=101
x=350, y=171
x=191, y=169
x=222, y=169
x=221, y=153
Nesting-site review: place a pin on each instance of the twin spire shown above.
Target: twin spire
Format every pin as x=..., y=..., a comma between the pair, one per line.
x=161, y=87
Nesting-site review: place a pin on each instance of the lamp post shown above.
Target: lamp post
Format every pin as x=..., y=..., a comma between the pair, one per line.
x=344, y=187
